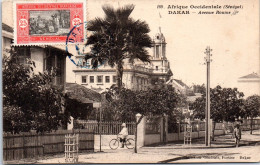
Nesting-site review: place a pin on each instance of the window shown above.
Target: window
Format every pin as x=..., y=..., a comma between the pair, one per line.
x=24, y=55
x=83, y=79
x=99, y=79
x=91, y=79
x=114, y=79
x=107, y=79
x=156, y=67
x=157, y=51
x=132, y=79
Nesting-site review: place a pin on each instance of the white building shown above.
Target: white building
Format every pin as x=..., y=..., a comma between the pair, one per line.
x=249, y=84
x=45, y=57
x=180, y=86
x=136, y=76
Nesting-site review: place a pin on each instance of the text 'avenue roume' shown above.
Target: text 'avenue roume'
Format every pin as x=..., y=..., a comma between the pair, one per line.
x=202, y=9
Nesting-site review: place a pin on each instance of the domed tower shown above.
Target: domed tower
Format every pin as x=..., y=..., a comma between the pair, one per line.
x=159, y=45
x=160, y=64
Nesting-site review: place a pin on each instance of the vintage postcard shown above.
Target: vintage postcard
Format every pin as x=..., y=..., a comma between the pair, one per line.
x=130, y=81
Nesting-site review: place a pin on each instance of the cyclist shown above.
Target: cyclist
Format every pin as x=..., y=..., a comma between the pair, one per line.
x=123, y=134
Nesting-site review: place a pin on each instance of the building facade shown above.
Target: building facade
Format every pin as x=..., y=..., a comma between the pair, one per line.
x=180, y=86
x=45, y=57
x=137, y=76
x=249, y=84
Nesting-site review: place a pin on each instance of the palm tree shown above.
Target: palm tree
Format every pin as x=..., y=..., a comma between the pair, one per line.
x=117, y=37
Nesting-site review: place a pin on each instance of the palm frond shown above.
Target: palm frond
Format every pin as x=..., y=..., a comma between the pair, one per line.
x=96, y=25
x=123, y=13
x=109, y=12
x=117, y=37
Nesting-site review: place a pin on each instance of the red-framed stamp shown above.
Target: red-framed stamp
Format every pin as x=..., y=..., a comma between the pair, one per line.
x=46, y=23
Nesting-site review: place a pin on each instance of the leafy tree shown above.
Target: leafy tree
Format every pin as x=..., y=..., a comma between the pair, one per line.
x=158, y=101
x=30, y=100
x=118, y=37
x=226, y=104
x=199, y=89
x=252, y=109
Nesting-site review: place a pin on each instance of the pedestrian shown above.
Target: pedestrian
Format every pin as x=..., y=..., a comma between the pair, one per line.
x=123, y=134
x=237, y=134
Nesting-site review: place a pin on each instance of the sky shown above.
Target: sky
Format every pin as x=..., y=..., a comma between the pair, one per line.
x=233, y=38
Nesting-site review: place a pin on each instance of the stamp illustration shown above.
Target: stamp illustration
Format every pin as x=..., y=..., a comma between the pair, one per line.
x=49, y=22
x=41, y=23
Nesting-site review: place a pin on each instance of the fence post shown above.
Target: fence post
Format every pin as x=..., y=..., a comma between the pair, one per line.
x=140, y=131
x=166, y=127
x=24, y=152
x=179, y=130
x=198, y=126
x=70, y=125
x=161, y=129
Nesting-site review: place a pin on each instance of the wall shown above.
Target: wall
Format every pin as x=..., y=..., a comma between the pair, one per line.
x=180, y=137
x=249, y=87
x=152, y=139
x=37, y=55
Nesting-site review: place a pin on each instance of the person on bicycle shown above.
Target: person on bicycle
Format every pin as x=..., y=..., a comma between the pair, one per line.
x=123, y=134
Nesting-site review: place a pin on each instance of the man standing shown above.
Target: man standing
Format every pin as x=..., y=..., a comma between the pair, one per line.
x=237, y=134
x=123, y=134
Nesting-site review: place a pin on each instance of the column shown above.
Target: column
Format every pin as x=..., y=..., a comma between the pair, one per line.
x=70, y=125
x=140, y=131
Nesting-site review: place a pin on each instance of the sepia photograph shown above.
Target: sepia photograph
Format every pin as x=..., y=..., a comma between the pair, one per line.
x=130, y=81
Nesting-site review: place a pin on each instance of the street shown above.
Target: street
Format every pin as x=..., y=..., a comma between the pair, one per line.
x=221, y=150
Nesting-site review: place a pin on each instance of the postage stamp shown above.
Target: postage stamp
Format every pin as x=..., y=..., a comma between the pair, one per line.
x=47, y=22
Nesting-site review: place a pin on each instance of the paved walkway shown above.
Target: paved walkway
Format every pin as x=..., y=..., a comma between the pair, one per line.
x=221, y=150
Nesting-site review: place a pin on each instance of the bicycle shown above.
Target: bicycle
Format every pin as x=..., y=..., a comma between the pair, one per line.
x=114, y=143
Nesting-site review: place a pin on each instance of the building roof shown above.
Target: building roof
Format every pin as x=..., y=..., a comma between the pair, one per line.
x=252, y=75
x=7, y=28
x=81, y=93
x=182, y=84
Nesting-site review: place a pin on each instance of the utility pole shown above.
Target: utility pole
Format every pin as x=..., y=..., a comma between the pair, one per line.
x=207, y=114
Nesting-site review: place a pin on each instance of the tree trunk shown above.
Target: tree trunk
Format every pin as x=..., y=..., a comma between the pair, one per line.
x=119, y=74
x=213, y=130
x=251, y=126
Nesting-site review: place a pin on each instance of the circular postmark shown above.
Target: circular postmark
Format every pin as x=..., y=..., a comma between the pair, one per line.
x=74, y=38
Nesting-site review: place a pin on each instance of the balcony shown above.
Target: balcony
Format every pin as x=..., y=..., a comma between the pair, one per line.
x=142, y=69
x=163, y=70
